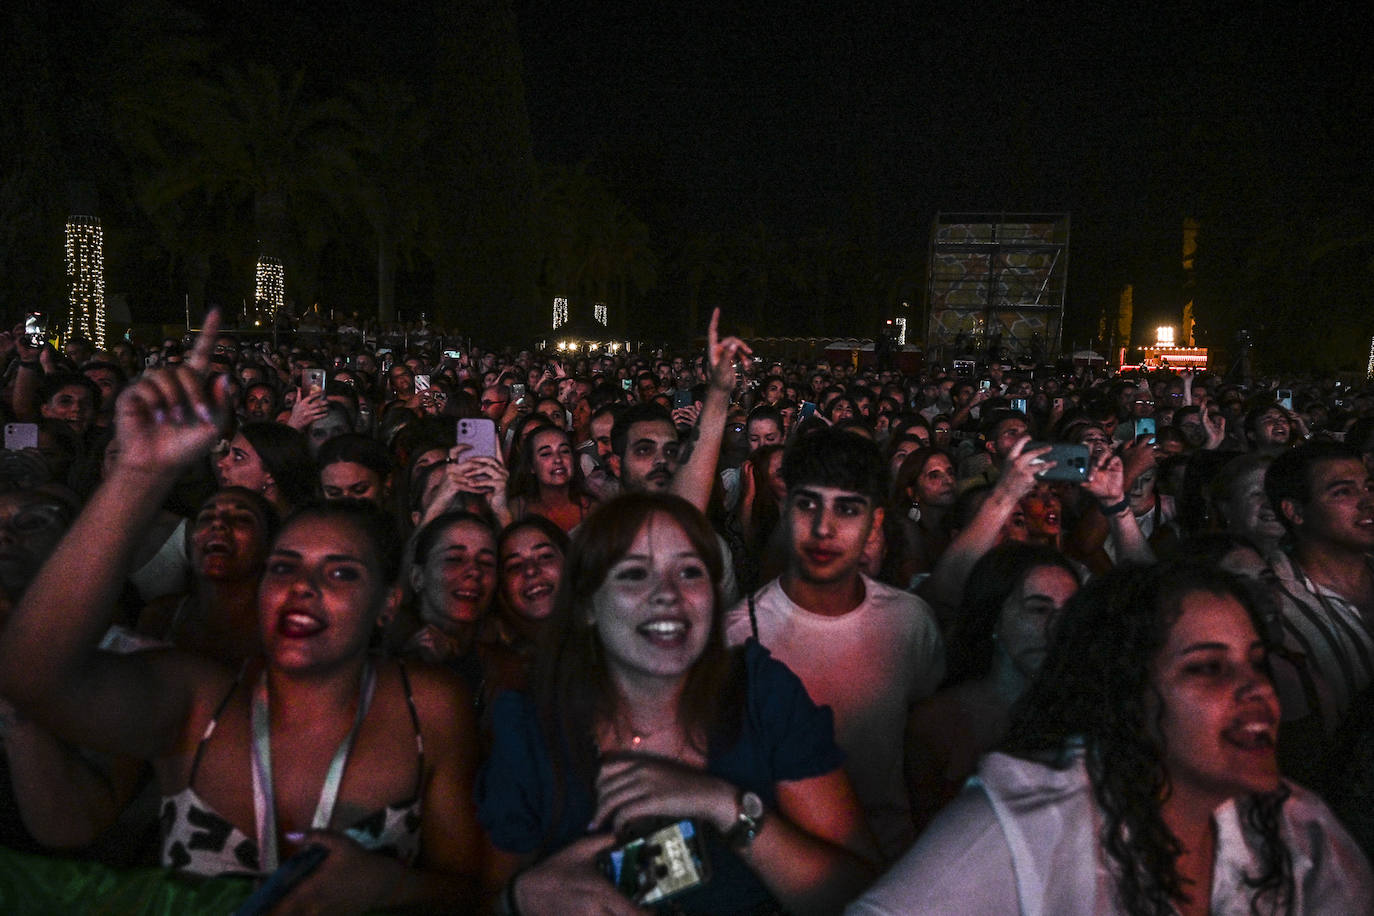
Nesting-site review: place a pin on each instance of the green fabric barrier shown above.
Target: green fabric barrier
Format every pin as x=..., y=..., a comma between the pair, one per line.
x=41, y=884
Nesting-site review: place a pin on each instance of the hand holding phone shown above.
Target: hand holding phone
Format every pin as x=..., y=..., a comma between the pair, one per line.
x=280, y=883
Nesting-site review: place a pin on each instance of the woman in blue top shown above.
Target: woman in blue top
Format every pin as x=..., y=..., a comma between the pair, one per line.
x=639, y=711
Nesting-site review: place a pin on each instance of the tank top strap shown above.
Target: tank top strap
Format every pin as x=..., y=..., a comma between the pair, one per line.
x=415, y=722
x=214, y=721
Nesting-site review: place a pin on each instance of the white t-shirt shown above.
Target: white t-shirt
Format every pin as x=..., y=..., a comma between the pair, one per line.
x=869, y=666
x=1026, y=838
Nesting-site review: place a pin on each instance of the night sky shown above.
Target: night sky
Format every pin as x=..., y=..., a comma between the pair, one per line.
x=1254, y=118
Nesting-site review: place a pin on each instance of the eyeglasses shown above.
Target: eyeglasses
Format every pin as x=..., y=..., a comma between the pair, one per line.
x=32, y=519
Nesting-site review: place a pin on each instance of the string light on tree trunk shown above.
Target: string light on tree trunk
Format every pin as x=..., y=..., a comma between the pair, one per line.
x=86, y=279
x=600, y=313
x=560, y=312
x=271, y=295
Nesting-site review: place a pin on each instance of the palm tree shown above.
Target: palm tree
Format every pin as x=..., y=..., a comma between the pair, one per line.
x=249, y=149
x=390, y=132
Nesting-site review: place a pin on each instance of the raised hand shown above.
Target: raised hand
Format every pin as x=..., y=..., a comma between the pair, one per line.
x=307, y=409
x=1107, y=479
x=1021, y=470
x=722, y=354
x=167, y=419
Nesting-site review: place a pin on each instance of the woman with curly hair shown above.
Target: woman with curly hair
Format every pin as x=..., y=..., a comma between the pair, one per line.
x=1139, y=775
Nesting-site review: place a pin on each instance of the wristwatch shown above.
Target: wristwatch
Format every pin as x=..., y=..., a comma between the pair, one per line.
x=749, y=821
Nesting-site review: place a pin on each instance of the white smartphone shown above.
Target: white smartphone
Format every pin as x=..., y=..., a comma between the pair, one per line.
x=480, y=434
x=21, y=435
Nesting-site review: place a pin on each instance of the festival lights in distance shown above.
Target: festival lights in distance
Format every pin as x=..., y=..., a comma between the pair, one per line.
x=1164, y=336
x=600, y=313
x=560, y=312
x=271, y=294
x=86, y=279
x=901, y=330
x=1369, y=370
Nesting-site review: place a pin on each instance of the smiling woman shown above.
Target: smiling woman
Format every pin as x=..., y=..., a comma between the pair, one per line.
x=1142, y=762
x=246, y=761
x=547, y=480
x=640, y=715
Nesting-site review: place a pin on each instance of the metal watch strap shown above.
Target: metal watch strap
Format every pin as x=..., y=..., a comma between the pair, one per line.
x=748, y=822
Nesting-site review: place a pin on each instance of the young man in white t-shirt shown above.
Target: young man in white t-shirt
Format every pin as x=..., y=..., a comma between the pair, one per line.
x=865, y=649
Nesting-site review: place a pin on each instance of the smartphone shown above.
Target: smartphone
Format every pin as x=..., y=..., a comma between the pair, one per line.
x=34, y=333
x=1019, y=405
x=452, y=354
x=682, y=397
x=985, y=384
x=963, y=367
x=1071, y=462
x=422, y=382
x=278, y=884
x=1145, y=426
x=626, y=383
x=659, y=865
x=1285, y=397
x=21, y=435
x=480, y=433
x=314, y=379
x=517, y=392
x=808, y=409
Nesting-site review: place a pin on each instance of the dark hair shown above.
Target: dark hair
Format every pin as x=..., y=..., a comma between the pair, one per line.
x=1290, y=476
x=635, y=413
x=1219, y=485
x=376, y=526
x=523, y=481
x=766, y=413
x=113, y=368
x=557, y=536
x=573, y=688
x=286, y=455
x=423, y=541
x=997, y=574
x=1097, y=686
x=355, y=448
x=267, y=513
x=271, y=389
x=912, y=467
x=50, y=385
x=1252, y=416
x=835, y=458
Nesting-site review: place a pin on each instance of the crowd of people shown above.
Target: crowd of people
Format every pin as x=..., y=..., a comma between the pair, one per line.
x=516, y=632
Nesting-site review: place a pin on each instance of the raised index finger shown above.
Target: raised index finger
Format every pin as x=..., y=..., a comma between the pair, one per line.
x=713, y=331
x=199, y=359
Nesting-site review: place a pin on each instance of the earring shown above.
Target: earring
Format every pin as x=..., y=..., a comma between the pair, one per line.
x=914, y=513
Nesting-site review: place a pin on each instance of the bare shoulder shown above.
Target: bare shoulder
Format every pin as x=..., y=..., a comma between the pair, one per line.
x=443, y=701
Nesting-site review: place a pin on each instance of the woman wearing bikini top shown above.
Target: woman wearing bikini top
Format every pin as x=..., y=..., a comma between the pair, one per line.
x=312, y=743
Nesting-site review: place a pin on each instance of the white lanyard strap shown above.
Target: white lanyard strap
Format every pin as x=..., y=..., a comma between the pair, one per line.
x=264, y=798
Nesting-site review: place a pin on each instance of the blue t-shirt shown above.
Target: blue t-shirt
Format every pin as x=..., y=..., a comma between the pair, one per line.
x=784, y=737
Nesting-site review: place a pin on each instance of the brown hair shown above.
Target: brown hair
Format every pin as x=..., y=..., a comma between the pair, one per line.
x=573, y=689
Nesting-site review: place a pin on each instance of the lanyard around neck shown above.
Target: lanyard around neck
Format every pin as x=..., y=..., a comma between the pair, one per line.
x=264, y=800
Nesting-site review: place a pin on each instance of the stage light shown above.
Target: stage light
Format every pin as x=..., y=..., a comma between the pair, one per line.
x=86, y=279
